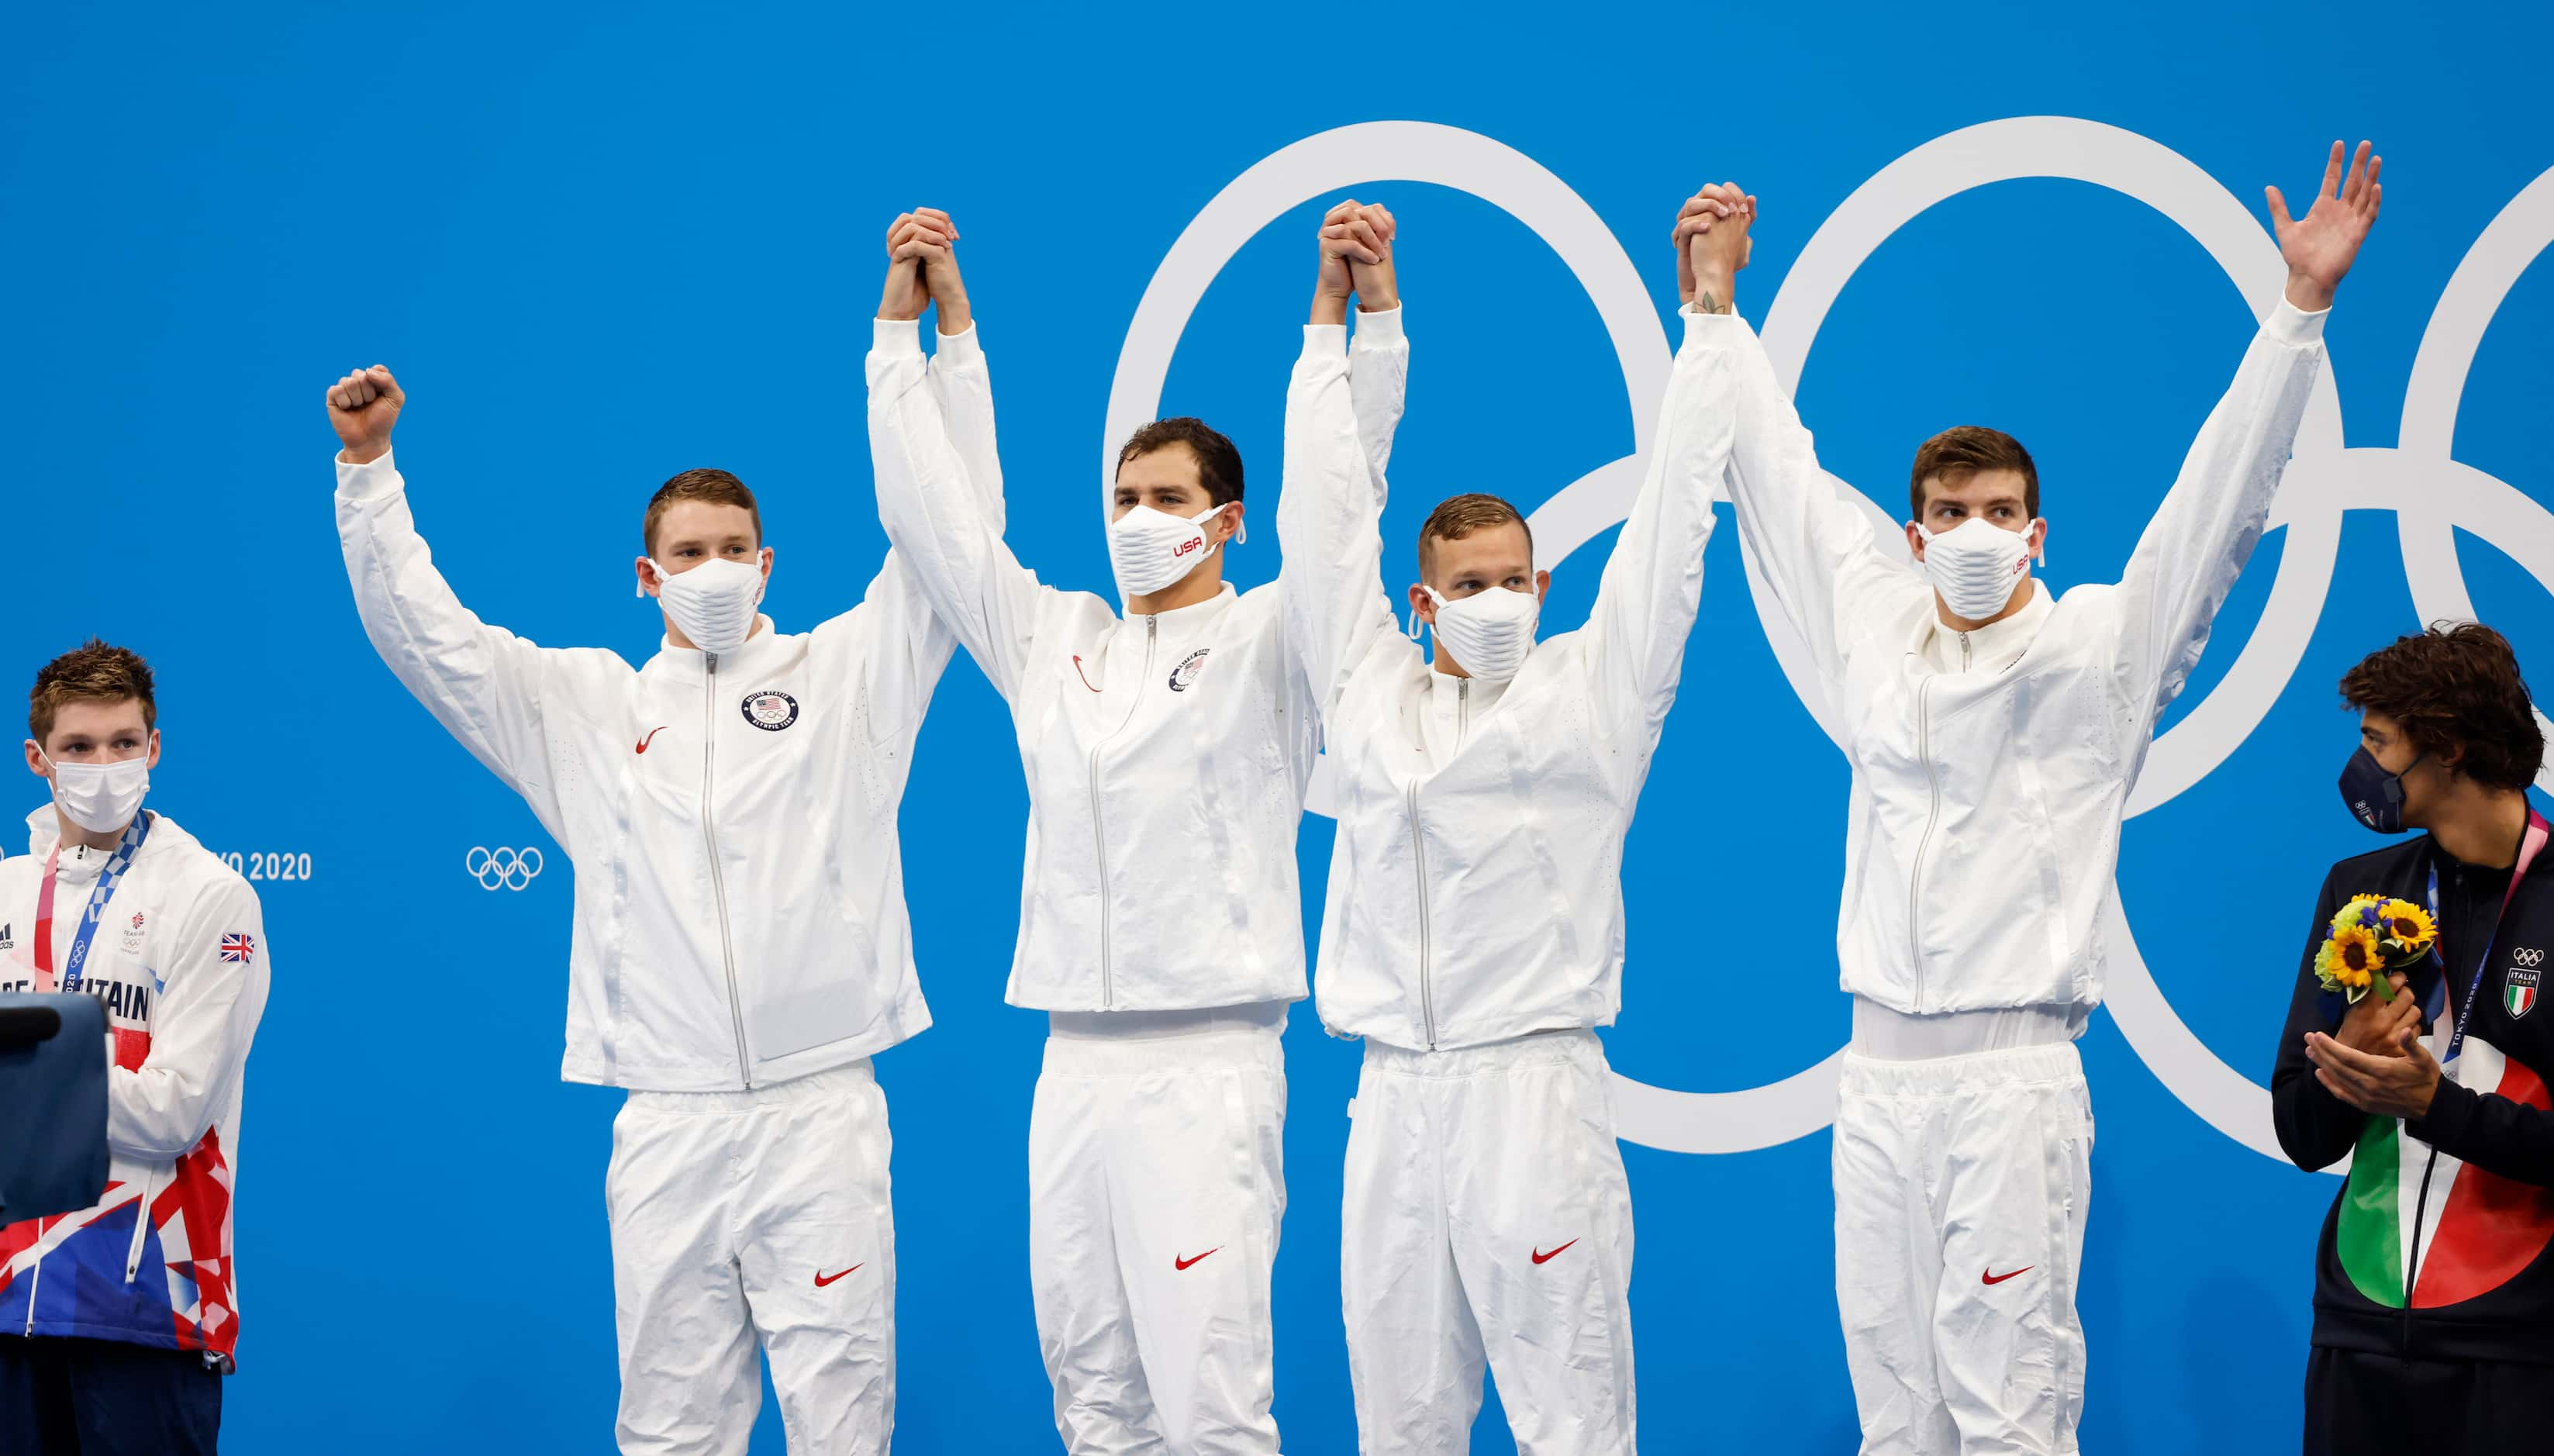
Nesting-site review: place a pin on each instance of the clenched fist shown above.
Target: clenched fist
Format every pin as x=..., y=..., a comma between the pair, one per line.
x=362, y=407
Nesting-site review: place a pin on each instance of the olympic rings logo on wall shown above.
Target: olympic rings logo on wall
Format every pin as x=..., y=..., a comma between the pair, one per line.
x=502, y=868
x=2324, y=481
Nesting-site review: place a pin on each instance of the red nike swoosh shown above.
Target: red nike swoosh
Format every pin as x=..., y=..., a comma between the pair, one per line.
x=1182, y=1264
x=651, y=738
x=1085, y=682
x=823, y=1279
x=1987, y=1278
x=1541, y=1257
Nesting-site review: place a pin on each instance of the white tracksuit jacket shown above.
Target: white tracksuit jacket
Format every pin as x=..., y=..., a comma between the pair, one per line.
x=1181, y=739
x=739, y=896
x=181, y=962
x=1986, y=805
x=1479, y=896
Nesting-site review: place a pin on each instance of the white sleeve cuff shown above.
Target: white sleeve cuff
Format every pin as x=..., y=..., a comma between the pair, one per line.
x=2290, y=325
x=893, y=336
x=1380, y=329
x=1709, y=329
x=956, y=350
x=1325, y=339
x=372, y=481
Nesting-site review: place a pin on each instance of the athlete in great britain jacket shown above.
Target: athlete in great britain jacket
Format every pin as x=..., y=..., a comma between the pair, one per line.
x=739, y=896
x=179, y=960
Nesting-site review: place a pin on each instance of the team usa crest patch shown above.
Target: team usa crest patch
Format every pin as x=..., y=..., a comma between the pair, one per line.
x=2518, y=984
x=1187, y=670
x=770, y=709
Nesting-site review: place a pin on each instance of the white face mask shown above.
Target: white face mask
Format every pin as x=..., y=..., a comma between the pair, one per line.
x=99, y=797
x=1977, y=566
x=1488, y=632
x=711, y=604
x=1150, y=549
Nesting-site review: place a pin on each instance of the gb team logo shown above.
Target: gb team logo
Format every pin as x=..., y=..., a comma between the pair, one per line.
x=2519, y=983
x=1187, y=670
x=770, y=709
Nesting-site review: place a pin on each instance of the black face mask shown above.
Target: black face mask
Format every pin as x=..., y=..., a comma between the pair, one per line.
x=2375, y=796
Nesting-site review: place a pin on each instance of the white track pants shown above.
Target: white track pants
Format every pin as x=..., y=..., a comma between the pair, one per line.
x=1961, y=1186
x=1156, y=1187
x=1487, y=1218
x=739, y=1218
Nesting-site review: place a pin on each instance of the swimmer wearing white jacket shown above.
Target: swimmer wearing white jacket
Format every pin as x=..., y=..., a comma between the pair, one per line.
x=1167, y=749
x=1473, y=933
x=741, y=946
x=1995, y=734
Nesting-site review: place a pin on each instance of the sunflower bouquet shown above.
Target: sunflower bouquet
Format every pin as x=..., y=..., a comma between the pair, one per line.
x=2371, y=937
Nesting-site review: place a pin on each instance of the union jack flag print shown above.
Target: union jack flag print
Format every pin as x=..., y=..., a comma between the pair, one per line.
x=238, y=948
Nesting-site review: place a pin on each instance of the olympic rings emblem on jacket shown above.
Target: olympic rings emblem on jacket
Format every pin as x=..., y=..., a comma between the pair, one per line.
x=502, y=868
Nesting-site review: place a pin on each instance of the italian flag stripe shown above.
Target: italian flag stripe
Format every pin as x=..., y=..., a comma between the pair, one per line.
x=2371, y=1240
x=2478, y=1229
x=2488, y=1227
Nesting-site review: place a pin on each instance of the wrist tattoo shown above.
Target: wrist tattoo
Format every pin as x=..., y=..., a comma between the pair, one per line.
x=1706, y=304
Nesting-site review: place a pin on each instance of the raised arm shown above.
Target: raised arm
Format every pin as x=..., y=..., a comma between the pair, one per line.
x=1378, y=355
x=214, y=980
x=482, y=683
x=928, y=444
x=2191, y=552
x=1330, y=505
x=1807, y=531
x=1652, y=583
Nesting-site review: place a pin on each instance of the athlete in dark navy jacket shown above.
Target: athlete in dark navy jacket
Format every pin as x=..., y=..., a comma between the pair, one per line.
x=2434, y=1290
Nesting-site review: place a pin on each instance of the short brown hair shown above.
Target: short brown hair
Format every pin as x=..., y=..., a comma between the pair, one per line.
x=2455, y=686
x=1962, y=451
x=1458, y=516
x=92, y=672
x=716, y=487
x=1219, y=463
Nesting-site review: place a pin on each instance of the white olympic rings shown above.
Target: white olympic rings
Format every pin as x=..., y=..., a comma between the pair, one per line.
x=2325, y=480
x=501, y=867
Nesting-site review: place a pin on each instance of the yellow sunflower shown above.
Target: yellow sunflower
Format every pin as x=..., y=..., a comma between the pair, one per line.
x=2409, y=926
x=2349, y=913
x=2351, y=957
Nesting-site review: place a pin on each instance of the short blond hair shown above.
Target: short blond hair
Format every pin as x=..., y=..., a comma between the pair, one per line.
x=1458, y=516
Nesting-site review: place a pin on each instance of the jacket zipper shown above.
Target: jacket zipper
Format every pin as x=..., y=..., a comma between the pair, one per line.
x=133, y=1254
x=2421, y=1204
x=1419, y=858
x=1099, y=832
x=718, y=877
x=1932, y=813
x=1462, y=710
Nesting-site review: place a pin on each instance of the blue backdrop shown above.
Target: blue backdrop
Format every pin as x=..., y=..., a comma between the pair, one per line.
x=602, y=248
